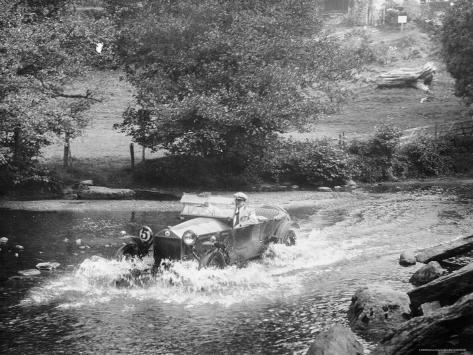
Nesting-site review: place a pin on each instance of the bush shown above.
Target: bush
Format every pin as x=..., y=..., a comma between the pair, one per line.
x=373, y=160
x=309, y=163
x=426, y=157
x=29, y=179
x=195, y=172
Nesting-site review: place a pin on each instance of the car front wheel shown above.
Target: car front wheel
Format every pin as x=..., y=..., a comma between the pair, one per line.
x=127, y=252
x=216, y=259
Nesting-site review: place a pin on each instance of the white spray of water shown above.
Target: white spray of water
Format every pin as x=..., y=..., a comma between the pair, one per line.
x=277, y=274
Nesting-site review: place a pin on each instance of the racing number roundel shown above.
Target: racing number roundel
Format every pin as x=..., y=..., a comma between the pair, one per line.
x=146, y=234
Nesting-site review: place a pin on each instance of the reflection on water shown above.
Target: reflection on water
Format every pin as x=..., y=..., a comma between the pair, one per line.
x=273, y=305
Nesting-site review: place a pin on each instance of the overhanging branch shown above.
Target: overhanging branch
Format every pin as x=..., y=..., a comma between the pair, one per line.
x=55, y=92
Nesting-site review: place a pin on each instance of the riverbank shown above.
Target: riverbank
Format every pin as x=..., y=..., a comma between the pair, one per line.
x=462, y=186
x=287, y=199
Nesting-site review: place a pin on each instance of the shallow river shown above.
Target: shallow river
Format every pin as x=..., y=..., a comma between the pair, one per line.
x=273, y=305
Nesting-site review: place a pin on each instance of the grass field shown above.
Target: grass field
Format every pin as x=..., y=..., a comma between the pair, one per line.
x=401, y=107
x=103, y=153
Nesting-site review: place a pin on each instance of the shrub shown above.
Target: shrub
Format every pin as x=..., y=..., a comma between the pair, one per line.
x=426, y=157
x=373, y=159
x=309, y=163
x=195, y=172
x=29, y=179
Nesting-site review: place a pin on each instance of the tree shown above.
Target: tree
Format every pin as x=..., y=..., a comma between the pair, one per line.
x=458, y=47
x=220, y=79
x=44, y=45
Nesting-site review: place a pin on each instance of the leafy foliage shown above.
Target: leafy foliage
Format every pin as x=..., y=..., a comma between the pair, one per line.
x=458, y=47
x=43, y=45
x=309, y=163
x=373, y=159
x=426, y=157
x=218, y=79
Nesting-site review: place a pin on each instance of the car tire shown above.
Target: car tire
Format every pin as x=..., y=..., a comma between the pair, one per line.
x=216, y=258
x=127, y=252
x=289, y=238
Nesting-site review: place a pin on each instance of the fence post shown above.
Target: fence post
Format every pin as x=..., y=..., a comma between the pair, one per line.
x=143, y=157
x=67, y=151
x=132, y=156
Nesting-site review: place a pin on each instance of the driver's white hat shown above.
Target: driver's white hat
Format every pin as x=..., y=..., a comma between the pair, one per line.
x=240, y=196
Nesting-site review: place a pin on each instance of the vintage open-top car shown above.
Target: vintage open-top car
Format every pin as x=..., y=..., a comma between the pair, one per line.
x=209, y=234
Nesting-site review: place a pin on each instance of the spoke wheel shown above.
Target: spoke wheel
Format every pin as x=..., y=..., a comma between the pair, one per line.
x=216, y=259
x=127, y=252
x=290, y=238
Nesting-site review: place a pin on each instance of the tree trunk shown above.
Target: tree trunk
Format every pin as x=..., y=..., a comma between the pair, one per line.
x=446, y=289
x=132, y=156
x=17, y=151
x=406, y=77
x=432, y=331
x=446, y=250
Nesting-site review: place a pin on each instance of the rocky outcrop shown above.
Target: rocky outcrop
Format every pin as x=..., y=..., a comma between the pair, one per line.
x=445, y=289
x=432, y=331
x=427, y=273
x=335, y=341
x=105, y=193
x=376, y=310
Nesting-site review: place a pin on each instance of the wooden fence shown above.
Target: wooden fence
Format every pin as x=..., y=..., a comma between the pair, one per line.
x=453, y=130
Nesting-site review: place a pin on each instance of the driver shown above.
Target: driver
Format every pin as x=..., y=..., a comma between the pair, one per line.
x=243, y=215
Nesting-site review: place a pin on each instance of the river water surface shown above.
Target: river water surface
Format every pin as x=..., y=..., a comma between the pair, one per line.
x=274, y=305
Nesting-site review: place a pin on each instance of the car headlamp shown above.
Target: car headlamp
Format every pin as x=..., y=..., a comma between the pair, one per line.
x=189, y=238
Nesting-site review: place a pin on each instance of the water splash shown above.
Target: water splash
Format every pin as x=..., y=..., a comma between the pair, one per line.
x=277, y=274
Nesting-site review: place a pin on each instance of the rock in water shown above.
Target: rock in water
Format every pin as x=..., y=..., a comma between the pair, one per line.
x=430, y=307
x=48, y=266
x=105, y=193
x=336, y=341
x=427, y=273
x=376, y=310
x=29, y=272
x=324, y=189
x=87, y=183
x=407, y=258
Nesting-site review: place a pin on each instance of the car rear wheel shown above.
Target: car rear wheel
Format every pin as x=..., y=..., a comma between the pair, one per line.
x=216, y=259
x=127, y=252
x=290, y=238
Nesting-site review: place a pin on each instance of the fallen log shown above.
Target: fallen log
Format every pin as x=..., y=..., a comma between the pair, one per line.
x=445, y=289
x=432, y=331
x=407, y=77
x=445, y=250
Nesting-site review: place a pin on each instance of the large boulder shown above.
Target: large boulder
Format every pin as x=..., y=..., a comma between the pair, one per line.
x=105, y=193
x=427, y=273
x=376, y=310
x=335, y=341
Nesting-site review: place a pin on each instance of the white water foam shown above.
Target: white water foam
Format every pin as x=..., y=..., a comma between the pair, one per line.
x=277, y=274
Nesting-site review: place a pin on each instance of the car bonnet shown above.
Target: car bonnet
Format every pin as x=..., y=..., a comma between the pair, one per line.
x=200, y=226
